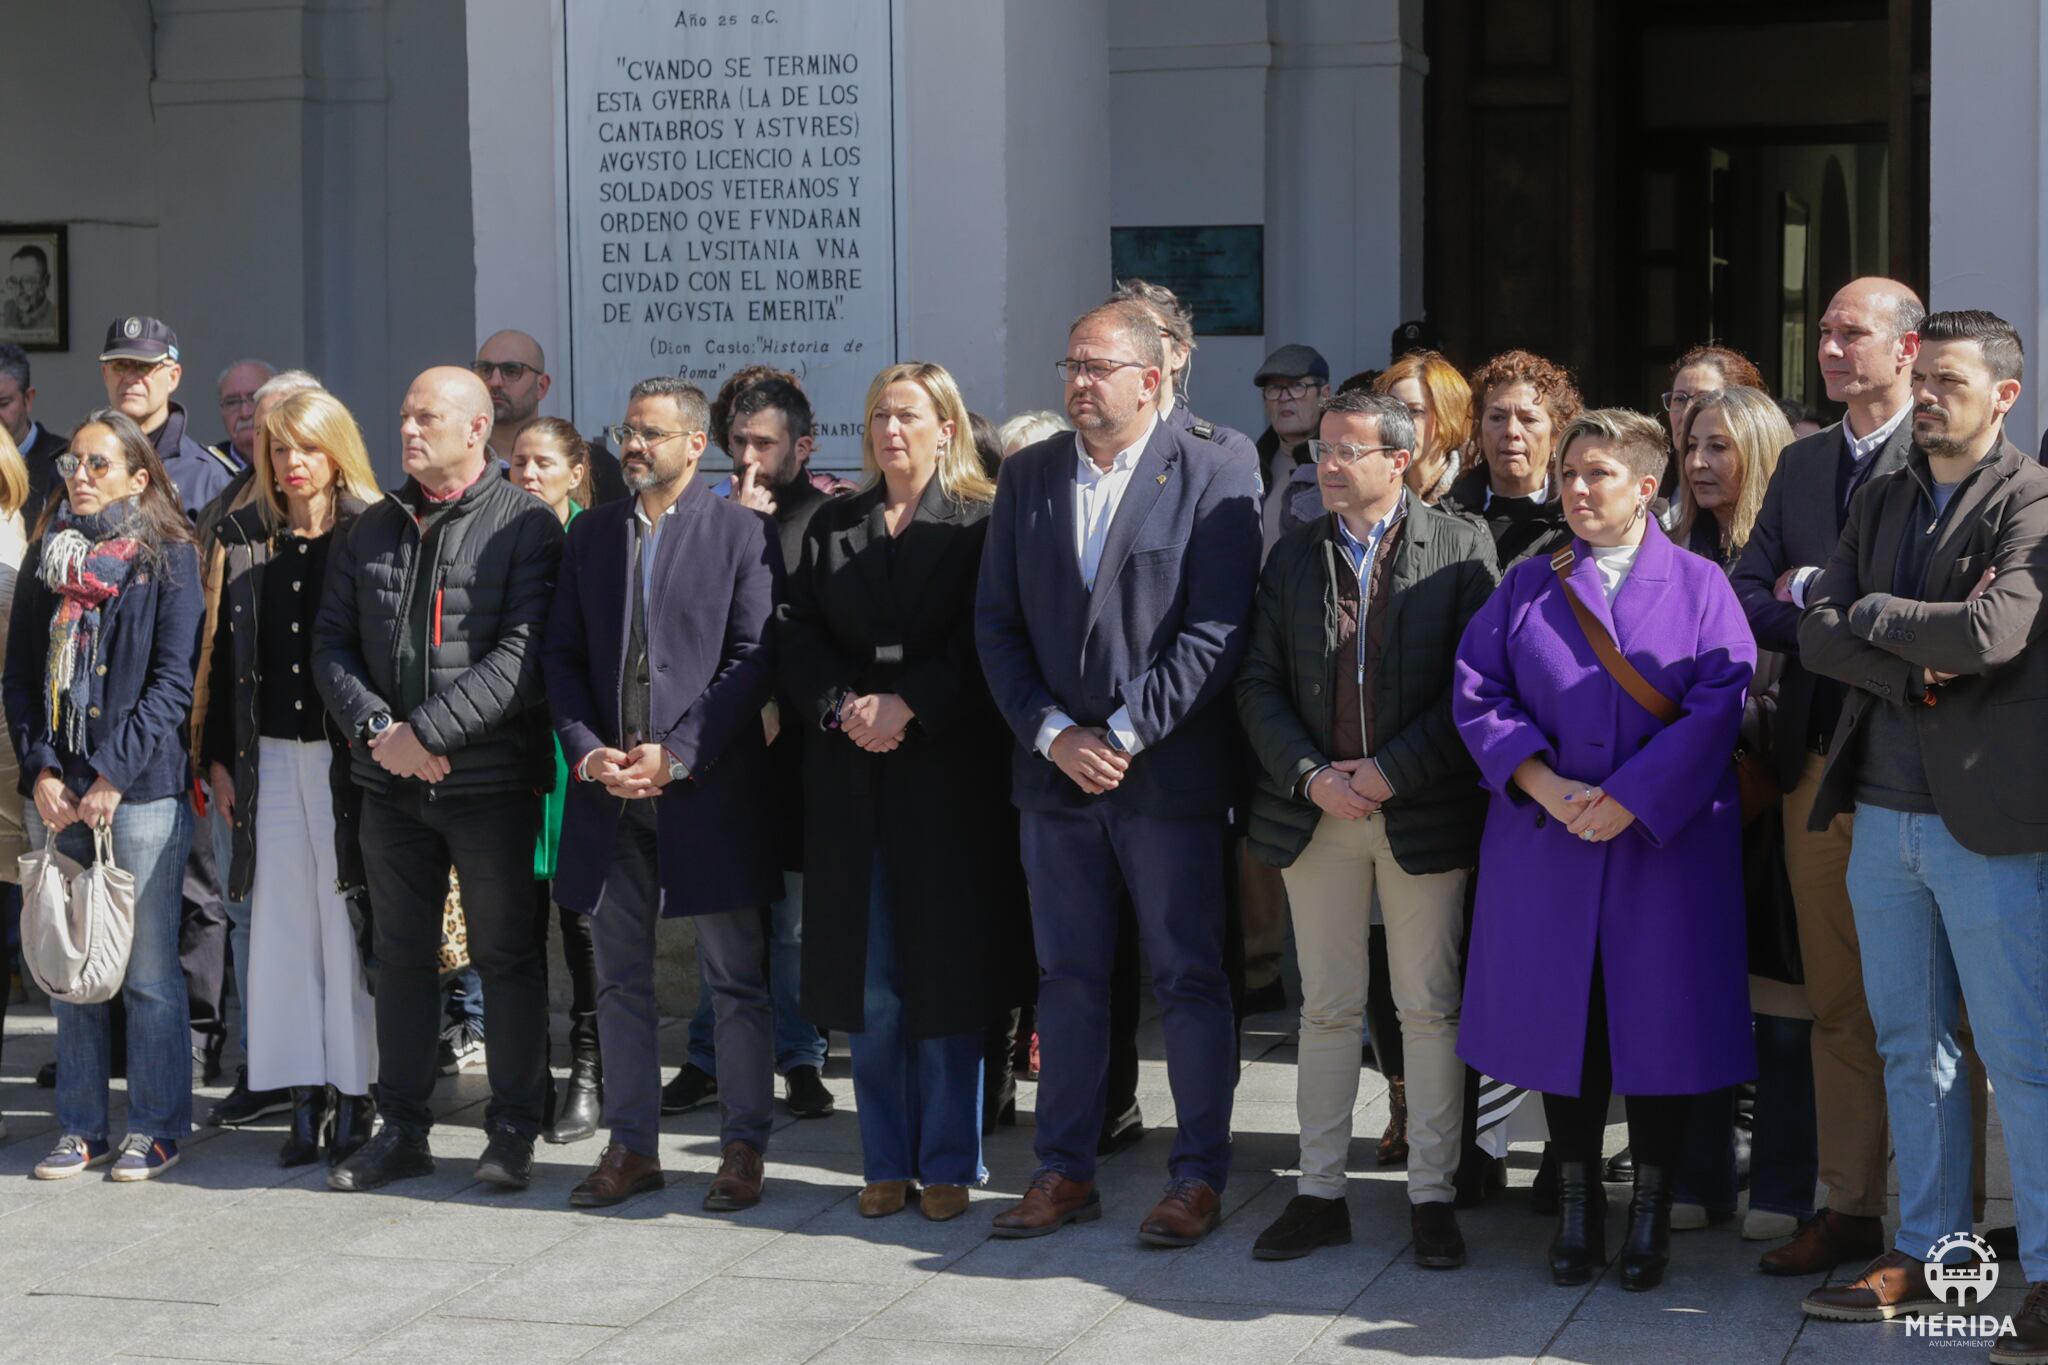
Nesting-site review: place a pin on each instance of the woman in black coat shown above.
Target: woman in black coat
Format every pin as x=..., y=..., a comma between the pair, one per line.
x=915, y=928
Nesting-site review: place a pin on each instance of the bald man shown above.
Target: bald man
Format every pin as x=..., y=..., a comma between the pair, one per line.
x=1868, y=340
x=427, y=653
x=514, y=369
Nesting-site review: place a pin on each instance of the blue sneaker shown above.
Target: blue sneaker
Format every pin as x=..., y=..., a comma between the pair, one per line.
x=73, y=1154
x=144, y=1158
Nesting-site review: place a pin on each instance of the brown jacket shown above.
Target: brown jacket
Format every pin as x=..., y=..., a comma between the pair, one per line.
x=1981, y=737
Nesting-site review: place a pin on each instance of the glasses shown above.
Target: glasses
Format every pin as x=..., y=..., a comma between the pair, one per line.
x=1678, y=400
x=96, y=465
x=512, y=370
x=1342, y=452
x=136, y=369
x=623, y=435
x=235, y=402
x=1098, y=371
x=1293, y=388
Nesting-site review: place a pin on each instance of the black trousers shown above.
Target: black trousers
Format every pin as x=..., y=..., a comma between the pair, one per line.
x=582, y=964
x=203, y=947
x=1656, y=1123
x=412, y=836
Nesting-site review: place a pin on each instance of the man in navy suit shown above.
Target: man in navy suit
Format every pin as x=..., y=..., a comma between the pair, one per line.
x=657, y=664
x=1119, y=573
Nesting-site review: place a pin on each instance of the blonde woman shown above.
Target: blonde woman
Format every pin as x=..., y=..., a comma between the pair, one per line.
x=14, y=493
x=1440, y=402
x=310, y=1025
x=914, y=927
x=1728, y=448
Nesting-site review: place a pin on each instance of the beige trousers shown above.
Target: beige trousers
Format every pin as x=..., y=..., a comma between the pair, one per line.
x=1330, y=892
x=1848, y=1075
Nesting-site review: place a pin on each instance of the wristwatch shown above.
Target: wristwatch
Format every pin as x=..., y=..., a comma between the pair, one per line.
x=677, y=770
x=377, y=724
x=1109, y=737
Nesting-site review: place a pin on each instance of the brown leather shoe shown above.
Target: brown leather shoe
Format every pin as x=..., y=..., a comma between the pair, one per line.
x=1829, y=1239
x=738, y=1182
x=618, y=1176
x=1393, y=1148
x=883, y=1197
x=1184, y=1215
x=1891, y=1286
x=1051, y=1203
x=943, y=1202
x=2027, y=1342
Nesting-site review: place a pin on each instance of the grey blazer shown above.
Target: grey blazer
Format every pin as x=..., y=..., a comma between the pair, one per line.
x=1798, y=526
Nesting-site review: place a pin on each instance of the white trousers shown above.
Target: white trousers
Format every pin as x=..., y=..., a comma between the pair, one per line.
x=1330, y=892
x=311, y=1021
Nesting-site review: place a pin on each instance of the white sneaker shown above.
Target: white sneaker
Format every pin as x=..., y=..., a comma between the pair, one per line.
x=1761, y=1225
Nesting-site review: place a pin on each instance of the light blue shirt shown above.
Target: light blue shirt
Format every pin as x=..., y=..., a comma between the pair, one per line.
x=650, y=542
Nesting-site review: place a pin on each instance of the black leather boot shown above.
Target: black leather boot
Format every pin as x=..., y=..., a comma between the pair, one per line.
x=578, y=1116
x=1648, y=1250
x=354, y=1117
x=1543, y=1189
x=309, y=1116
x=1580, y=1247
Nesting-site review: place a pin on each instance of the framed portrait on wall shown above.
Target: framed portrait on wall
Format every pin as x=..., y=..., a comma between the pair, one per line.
x=35, y=293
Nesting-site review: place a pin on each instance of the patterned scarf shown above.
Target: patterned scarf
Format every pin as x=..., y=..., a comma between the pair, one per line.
x=86, y=561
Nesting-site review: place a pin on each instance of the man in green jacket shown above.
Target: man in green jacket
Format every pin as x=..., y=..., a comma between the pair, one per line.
x=1365, y=788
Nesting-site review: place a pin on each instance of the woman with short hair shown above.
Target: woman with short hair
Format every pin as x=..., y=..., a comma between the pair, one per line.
x=1520, y=402
x=297, y=851
x=915, y=931
x=1600, y=693
x=101, y=640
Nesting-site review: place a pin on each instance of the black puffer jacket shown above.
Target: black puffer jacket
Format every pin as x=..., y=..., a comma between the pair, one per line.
x=494, y=560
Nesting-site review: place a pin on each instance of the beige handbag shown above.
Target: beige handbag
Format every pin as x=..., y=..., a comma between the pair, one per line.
x=77, y=924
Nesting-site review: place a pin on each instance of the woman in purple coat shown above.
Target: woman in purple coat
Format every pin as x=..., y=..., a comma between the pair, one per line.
x=1607, y=948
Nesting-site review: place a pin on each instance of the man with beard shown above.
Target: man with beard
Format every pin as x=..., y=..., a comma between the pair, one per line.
x=1114, y=589
x=658, y=662
x=1931, y=614
x=515, y=372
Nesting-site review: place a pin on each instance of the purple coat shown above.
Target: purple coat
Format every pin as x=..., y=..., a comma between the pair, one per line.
x=1662, y=904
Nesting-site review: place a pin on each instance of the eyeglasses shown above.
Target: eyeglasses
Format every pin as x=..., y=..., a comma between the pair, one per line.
x=1343, y=452
x=1098, y=371
x=1293, y=388
x=1678, y=400
x=623, y=435
x=96, y=465
x=512, y=370
x=237, y=401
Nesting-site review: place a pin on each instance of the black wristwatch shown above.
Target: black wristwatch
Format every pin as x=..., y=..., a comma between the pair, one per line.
x=376, y=725
x=1109, y=738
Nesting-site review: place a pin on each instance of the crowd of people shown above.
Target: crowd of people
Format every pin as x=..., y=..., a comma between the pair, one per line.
x=1585, y=753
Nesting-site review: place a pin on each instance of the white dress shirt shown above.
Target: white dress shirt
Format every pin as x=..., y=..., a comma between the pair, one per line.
x=1098, y=492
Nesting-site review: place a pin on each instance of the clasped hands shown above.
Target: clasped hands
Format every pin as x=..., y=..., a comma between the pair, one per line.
x=875, y=721
x=629, y=774
x=1586, y=811
x=398, y=751
x=1350, y=788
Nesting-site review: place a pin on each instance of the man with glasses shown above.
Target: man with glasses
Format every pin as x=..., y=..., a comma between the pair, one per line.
x=1114, y=588
x=427, y=653
x=139, y=364
x=1365, y=791
x=1295, y=383
x=237, y=388
x=658, y=660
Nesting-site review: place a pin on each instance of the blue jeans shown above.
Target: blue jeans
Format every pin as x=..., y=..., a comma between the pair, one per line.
x=151, y=840
x=797, y=1043
x=1784, y=1158
x=223, y=835
x=465, y=998
x=1942, y=927
x=918, y=1099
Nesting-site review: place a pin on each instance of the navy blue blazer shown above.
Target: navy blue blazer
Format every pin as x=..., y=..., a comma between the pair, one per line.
x=717, y=577
x=141, y=692
x=1162, y=632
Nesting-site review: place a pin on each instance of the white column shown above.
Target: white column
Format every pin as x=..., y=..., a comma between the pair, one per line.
x=1987, y=235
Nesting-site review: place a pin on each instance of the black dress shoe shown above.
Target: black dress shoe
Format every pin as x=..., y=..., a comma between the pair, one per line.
x=2004, y=1242
x=1580, y=1247
x=354, y=1118
x=580, y=1110
x=1270, y=998
x=389, y=1156
x=1124, y=1130
x=692, y=1086
x=804, y=1091
x=1621, y=1168
x=243, y=1105
x=1648, y=1249
x=46, y=1075
x=309, y=1118
x=1438, y=1243
x=507, y=1160
x=1306, y=1224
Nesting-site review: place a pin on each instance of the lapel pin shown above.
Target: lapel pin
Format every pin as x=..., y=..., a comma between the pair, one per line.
x=1162, y=478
